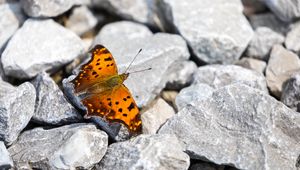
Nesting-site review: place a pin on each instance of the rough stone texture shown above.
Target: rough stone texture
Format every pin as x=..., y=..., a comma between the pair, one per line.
x=282, y=64
x=66, y=147
x=210, y=27
x=5, y=159
x=293, y=38
x=51, y=105
x=180, y=74
x=262, y=42
x=10, y=20
x=49, y=8
x=16, y=109
x=81, y=20
x=291, y=92
x=193, y=95
x=39, y=45
x=240, y=126
x=252, y=64
x=156, y=115
x=285, y=10
x=147, y=152
x=218, y=76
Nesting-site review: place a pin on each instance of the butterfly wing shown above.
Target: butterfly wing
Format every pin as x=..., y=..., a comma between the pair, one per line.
x=116, y=105
x=101, y=65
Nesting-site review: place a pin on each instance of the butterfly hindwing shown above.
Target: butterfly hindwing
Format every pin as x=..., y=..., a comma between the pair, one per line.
x=101, y=65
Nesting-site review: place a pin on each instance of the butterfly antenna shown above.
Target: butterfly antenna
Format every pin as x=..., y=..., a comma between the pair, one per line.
x=141, y=70
x=133, y=60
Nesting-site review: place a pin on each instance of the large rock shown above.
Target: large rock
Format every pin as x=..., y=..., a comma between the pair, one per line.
x=67, y=147
x=147, y=152
x=5, y=159
x=40, y=45
x=11, y=18
x=16, y=109
x=239, y=126
x=252, y=64
x=156, y=115
x=285, y=10
x=210, y=27
x=291, y=92
x=293, y=38
x=263, y=41
x=51, y=106
x=218, y=76
x=282, y=64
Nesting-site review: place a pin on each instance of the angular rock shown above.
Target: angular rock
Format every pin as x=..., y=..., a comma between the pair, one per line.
x=293, y=38
x=16, y=109
x=5, y=159
x=252, y=64
x=285, y=10
x=282, y=64
x=81, y=20
x=46, y=45
x=193, y=95
x=209, y=27
x=51, y=106
x=291, y=92
x=11, y=18
x=157, y=114
x=67, y=147
x=148, y=152
x=180, y=74
x=263, y=40
x=50, y=8
x=239, y=126
x=218, y=76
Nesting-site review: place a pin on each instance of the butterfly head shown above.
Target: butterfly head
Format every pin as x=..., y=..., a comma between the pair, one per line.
x=124, y=76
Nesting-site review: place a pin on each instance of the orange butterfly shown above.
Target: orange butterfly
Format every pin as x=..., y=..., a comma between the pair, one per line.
x=106, y=95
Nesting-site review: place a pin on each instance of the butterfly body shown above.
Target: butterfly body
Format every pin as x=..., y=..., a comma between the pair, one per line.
x=105, y=94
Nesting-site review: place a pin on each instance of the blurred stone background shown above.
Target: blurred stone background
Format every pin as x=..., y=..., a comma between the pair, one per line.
x=223, y=92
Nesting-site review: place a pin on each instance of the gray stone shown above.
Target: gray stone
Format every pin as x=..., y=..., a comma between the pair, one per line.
x=81, y=20
x=291, y=92
x=210, y=27
x=147, y=152
x=282, y=64
x=50, y=8
x=293, y=38
x=218, y=76
x=193, y=95
x=10, y=20
x=67, y=147
x=239, y=126
x=169, y=96
x=5, y=159
x=180, y=74
x=16, y=109
x=156, y=115
x=262, y=42
x=40, y=45
x=51, y=106
x=252, y=7
x=285, y=10
x=252, y=64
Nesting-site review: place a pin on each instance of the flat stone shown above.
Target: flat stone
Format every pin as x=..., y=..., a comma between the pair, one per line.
x=50, y=8
x=285, y=10
x=67, y=147
x=51, y=47
x=157, y=114
x=81, y=20
x=282, y=64
x=146, y=152
x=5, y=159
x=181, y=74
x=51, y=106
x=252, y=64
x=291, y=92
x=209, y=27
x=262, y=42
x=11, y=18
x=218, y=76
x=293, y=38
x=239, y=126
x=16, y=109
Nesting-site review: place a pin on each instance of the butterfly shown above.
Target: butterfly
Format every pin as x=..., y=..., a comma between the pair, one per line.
x=105, y=94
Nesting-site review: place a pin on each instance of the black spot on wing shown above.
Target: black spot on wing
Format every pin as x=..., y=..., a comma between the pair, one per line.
x=131, y=106
x=108, y=59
